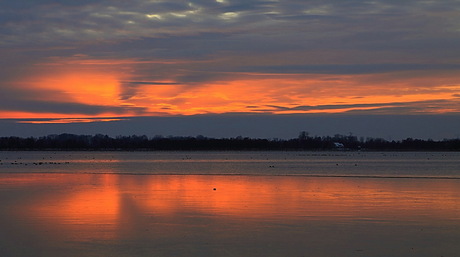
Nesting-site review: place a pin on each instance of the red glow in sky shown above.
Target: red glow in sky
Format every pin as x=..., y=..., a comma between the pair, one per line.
x=88, y=60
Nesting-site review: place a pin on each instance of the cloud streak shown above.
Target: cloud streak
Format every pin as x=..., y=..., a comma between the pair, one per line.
x=66, y=108
x=430, y=106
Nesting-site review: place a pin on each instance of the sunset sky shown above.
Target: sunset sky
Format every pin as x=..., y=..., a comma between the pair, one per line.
x=268, y=68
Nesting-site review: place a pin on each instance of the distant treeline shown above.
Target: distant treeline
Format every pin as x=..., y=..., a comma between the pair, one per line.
x=160, y=143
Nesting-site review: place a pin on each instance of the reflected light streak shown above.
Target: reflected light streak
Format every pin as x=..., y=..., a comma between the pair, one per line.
x=290, y=197
x=91, y=205
x=82, y=203
x=83, y=210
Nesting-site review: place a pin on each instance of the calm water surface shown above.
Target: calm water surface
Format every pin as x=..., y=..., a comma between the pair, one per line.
x=400, y=164
x=187, y=204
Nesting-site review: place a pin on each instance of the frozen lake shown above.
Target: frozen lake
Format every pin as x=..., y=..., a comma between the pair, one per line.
x=229, y=204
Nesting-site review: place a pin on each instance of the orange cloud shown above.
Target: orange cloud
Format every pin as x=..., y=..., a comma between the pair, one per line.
x=77, y=86
x=289, y=91
x=105, y=83
x=83, y=87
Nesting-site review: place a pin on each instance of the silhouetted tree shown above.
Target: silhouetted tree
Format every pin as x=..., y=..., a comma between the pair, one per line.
x=302, y=142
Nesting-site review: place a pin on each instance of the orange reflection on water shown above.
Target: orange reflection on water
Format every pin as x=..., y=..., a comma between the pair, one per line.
x=291, y=197
x=98, y=205
x=83, y=205
x=113, y=206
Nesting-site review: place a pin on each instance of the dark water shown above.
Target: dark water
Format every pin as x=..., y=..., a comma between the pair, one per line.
x=379, y=164
x=110, y=204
